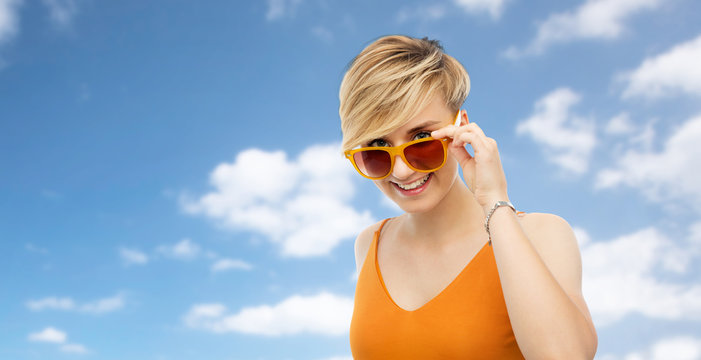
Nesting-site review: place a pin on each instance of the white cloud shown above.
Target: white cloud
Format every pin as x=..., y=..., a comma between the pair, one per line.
x=185, y=249
x=74, y=349
x=49, y=334
x=429, y=12
x=278, y=9
x=438, y=11
x=493, y=7
x=567, y=139
x=8, y=19
x=62, y=12
x=619, y=125
x=133, y=256
x=103, y=305
x=52, y=303
x=670, y=175
x=322, y=34
x=230, y=264
x=675, y=71
x=99, y=306
x=623, y=276
x=303, y=205
x=56, y=336
x=594, y=19
x=677, y=348
x=324, y=314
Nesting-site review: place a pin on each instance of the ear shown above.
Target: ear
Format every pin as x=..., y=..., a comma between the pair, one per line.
x=463, y=118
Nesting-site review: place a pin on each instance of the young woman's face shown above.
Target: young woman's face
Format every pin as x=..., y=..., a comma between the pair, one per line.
x=415, y=191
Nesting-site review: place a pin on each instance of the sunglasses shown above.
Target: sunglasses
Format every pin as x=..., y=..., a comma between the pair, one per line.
x=422, y=155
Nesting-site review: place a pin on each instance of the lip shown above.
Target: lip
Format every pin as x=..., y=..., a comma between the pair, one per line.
x=413, y=192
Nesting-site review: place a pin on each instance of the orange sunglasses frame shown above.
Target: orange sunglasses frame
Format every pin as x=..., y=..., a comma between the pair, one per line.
x=399, y=150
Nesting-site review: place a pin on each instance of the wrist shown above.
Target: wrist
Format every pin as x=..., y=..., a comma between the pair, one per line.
x=487, y=207
x=492, y=210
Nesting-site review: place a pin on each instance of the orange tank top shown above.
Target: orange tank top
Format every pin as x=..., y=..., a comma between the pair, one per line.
x=467, y=320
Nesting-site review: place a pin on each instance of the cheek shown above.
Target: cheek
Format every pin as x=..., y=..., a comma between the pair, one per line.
x=451, y=165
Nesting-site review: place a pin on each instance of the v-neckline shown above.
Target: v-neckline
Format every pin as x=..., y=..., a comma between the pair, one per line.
x=433, y=299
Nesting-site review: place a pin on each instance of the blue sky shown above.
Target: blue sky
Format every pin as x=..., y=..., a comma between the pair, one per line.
x=172, y=188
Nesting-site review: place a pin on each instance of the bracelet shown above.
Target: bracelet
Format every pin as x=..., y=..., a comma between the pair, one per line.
x=489, y=215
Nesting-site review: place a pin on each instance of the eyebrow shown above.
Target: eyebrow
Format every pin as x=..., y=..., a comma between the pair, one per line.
x=412, y=130
x=424, y=125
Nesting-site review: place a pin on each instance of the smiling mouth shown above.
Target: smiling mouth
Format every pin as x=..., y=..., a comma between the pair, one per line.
x=414, y=184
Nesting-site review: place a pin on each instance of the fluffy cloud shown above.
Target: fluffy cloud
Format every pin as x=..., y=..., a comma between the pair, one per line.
x=620, y=125
x=53, y=303
x=8, y=19
x=49, y=334
x=62, y=12
x=677, y=348
x=672, y=72
x=493, y=7
x=567, y=139
x=230, y=264
x=668, y=175
x=436, y=11
x=53, y=335
x=132, y=256
x=322, y=33
x=303, y=205
x=430, y=12
x=324, y=314
x=74, y=348
x=185, y=249
x=623, y=276
x=99, y=306
x=594, y=19
x=278, y=9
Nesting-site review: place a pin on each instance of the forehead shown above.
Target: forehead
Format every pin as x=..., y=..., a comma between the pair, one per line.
x=435, y=114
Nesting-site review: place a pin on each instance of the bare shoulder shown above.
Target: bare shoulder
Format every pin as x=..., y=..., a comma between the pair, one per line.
x=362, y=244
x=555, y=241
x=556, y=244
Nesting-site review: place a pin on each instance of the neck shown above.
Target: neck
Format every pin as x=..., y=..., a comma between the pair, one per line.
x=455, y=217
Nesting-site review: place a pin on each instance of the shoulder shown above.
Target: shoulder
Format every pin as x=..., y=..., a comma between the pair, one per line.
x=556, y=244
x=362, y=243
x=555, y=241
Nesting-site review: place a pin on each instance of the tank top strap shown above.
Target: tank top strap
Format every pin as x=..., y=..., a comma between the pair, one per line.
x=377, y=232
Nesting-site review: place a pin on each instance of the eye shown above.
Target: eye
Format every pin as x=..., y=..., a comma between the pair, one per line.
x=422, y=135
x=378, y=142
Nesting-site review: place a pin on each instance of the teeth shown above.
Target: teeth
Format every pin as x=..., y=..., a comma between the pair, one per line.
x=415, y=184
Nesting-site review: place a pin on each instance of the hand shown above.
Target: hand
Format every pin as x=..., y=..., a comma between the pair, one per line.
x=483, y=172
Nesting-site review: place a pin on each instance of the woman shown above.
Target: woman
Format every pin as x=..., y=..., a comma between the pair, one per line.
x=460, y=274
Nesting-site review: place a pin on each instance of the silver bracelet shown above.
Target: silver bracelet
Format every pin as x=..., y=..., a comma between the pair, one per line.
x=489, y=215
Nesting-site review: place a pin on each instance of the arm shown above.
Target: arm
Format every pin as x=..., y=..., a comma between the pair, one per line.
x=540, y=272
x=539, y=264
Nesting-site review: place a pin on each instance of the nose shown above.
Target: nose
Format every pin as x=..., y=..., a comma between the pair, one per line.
x=401, y=170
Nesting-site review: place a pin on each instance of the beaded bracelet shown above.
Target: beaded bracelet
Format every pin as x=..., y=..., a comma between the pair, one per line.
x=489, y=215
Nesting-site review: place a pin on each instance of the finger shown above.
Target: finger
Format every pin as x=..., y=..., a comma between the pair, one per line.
x=469, y=137
x=447, y=131
x=467, y=164
x=478, y=130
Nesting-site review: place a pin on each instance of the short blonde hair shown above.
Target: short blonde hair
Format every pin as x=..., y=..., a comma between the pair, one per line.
x=391, y=81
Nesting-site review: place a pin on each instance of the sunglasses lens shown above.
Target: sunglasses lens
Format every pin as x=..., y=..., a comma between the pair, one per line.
x=373, y=163
x=426, y=155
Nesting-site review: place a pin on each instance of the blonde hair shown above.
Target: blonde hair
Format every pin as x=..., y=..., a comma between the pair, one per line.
x=391, y=81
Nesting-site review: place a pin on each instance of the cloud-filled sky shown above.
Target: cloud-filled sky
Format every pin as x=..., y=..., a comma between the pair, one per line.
x=172, y=186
